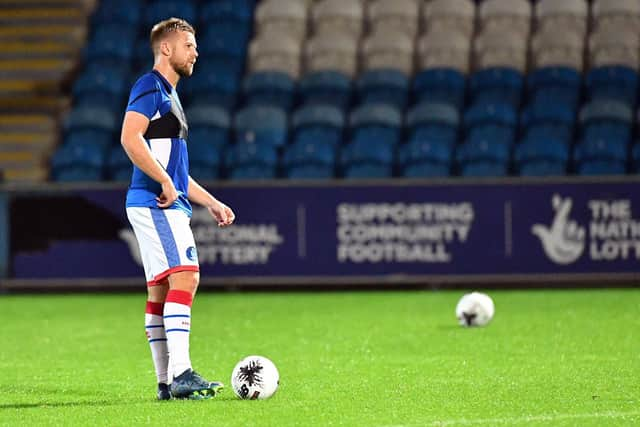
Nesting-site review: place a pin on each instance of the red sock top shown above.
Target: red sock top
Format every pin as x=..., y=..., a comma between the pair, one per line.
x=155, y=308
x=179, y=297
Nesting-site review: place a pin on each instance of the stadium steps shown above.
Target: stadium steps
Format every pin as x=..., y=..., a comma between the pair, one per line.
x=42, y=41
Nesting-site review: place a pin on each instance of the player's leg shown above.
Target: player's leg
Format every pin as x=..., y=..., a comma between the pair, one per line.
x=186, y=382
x=155, y=330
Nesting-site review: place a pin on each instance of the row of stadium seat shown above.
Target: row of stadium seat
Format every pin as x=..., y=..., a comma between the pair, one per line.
x=555, y=111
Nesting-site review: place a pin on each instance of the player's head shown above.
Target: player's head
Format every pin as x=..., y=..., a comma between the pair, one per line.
x=174, y=40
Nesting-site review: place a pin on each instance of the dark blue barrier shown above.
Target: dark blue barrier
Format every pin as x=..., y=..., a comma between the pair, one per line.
x=394, y=231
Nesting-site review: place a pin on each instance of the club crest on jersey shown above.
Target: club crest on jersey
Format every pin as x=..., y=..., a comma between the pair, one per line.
x=192, y=254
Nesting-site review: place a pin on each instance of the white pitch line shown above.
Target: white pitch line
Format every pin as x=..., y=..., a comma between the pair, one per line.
x=553, y=417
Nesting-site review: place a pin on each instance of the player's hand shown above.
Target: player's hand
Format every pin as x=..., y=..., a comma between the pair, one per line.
x=222, y=214
x=168, y=196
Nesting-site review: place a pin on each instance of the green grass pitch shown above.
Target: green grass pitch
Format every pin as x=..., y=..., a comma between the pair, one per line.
x=553, y=358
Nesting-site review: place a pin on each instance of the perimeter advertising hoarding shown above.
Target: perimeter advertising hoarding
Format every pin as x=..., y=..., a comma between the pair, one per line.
x=373, y=231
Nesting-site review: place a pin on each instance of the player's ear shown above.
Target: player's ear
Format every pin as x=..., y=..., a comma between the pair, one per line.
x=165, y=48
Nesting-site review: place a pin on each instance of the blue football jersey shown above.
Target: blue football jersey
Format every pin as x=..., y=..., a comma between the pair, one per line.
x=154, y=97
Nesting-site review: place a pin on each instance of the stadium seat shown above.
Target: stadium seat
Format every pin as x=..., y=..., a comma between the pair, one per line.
x=496, y=85
x=275, y=52
x=635, y=158
x=212, y=85
x=555, y=121
x=373, y=123
x=204, y=159
x=448, y=49
x=106, y=88
x=541, y=156
x=444, y=85
x=278, y=16
x=332, y=52
x=311, y=159
x=426, y=158
x=552, y=85
x=569, y=15
x=271, y=88
x=388, y=50
x=78, y=163
x=326, y=87
x=606, y=120
x=163, y=9
x=246, y=160
x=486, y=157
x=439, y=16
x=618, y=83
x=225, y=40
x=236, y=12
x=433, y=121
x=338, y=17
x=495, y=122
x=322, y=124
x=600, y=156
x=386, y=86
x=508, y=16
x=208, y=125
x=261, y=125
x=394, y=16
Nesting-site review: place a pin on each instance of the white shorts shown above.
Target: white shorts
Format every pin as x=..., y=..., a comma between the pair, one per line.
x=165, y=240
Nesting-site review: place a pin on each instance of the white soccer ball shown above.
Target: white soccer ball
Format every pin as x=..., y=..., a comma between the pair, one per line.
x=255, y=377
x=475, y=309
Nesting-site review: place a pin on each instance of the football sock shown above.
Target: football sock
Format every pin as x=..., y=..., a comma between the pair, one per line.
x=154, y=327
x=177, y=323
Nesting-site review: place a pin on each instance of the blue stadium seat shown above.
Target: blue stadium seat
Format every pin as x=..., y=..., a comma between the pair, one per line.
x=204, y=159
x=376, y=122
x=209, y=125
x=540, y=157
x=212, y=84
x=483, y=158
x=433, y=121
x=94, y=118
x=612, y=82
x=606, y=119
x=78, y=163
x=261, y=125
x=386, y=86
x=426, y=158
x=491, y=122
x=554, y=85
x=612, y=150
x=120, y=11
x=375, y=151
x=553, y=121
x=309, y=159
x=111, y=41
x=496, y=85
x=246, y=160
x=104, y=88
x=635, y=158
x=220, y=11
x=225, y=39
x=318, y=123
x=445, y=85
x=273, y=88
x=325, y=87
x=160, y=10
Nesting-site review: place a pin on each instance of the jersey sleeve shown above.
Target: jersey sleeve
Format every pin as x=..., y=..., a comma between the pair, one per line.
x=145, y=96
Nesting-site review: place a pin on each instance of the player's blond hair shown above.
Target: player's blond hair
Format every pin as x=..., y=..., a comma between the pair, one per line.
x=164, y=28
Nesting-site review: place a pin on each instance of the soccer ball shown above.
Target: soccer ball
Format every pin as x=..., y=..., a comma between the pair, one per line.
x=475, y=309
x=255, y=377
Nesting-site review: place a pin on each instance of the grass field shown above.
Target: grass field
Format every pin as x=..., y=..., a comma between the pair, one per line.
x=553, y=358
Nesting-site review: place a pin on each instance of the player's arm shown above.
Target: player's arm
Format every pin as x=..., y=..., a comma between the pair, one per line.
x=221, y=212
x=133, y=142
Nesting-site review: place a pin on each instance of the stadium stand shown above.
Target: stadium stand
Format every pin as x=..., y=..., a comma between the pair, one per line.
x=375, y=88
